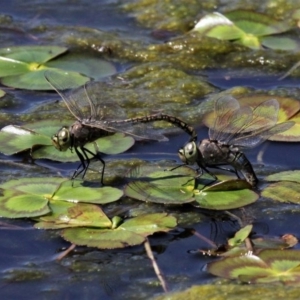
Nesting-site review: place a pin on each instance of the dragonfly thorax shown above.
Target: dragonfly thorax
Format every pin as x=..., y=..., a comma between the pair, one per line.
x=62, y=139
x=189, y=153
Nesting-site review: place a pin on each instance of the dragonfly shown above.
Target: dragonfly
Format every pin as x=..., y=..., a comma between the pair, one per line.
x=95, y=119
x=235, y=128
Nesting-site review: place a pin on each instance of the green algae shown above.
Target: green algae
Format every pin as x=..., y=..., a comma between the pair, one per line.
x=232, y=292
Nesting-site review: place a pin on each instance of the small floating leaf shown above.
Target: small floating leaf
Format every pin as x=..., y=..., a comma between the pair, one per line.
x=240, y=236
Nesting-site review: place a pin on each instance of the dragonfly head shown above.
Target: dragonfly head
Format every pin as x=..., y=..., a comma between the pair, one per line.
x=189, y=153
x=62, y=139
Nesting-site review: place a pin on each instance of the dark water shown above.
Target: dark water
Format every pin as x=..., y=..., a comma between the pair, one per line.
x=28, y=269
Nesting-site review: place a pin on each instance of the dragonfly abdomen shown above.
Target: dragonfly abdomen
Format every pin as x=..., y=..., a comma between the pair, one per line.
x=164, y=117
x=215, y=153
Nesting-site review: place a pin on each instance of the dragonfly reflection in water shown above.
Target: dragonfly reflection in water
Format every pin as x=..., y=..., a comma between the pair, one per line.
x=96, y=118
x=234, y=128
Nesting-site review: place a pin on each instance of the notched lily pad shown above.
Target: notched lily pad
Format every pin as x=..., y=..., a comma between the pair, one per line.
x=156, y=184
x=130, y=233
x=266, y=267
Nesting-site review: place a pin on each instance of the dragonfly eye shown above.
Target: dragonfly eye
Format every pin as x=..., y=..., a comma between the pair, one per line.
x=188, y=154
x=61, y=140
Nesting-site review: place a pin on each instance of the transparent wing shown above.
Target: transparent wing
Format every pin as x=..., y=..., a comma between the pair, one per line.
x=93, y=109
x=263, y=120
x=252, y=139
x=244, y=127
x=229, y=118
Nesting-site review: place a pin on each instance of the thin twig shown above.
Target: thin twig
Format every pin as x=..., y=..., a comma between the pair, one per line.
x=66, y=252
x=205, y=239
x=155, y=266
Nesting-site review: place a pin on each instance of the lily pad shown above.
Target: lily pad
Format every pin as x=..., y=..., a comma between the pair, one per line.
x=15, y=139
x=286, y=189
x=250, y=29
x=29, y=197
x=130, y=233
x=103, y=195
x=155, y=184
x=24, y=66
x=226, y=195
x=285, y=176
x=65, y=214
x=283, y=191
x=19, y=205
x=268, y=266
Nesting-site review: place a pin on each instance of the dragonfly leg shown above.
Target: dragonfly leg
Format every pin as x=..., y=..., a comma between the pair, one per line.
x=170, y=170
x=81, y=167
x=227, y=169
x=84, y=150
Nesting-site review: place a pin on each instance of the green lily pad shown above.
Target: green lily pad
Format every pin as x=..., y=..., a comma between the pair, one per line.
x=91, y=66
x=279, y=43
x=283, y=191
x=268, y=266
x=250, y=29
x=218, y=26
x=225, y=195
x=130, y=233
x=24, y=66
x=155, y=184
x=102, y=195
x=19, y=205
x=256, y=23
x=286, y=189
x=65, y=214
x=284, y=176
x=29, y=197
x=15, y=139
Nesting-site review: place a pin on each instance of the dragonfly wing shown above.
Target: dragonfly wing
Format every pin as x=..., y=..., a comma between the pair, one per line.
x=265, y=115
x=252, y=139
x=229, y=119
x=73, y=98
